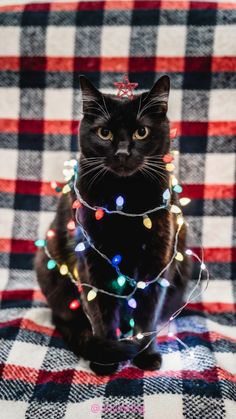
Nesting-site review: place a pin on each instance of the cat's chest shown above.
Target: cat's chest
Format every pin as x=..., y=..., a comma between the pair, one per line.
x=116, y=234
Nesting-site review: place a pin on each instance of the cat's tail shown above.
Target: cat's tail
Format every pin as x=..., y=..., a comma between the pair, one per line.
x=106, y=351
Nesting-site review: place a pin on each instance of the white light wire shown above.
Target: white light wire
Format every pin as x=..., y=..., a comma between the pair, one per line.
x=131, y=280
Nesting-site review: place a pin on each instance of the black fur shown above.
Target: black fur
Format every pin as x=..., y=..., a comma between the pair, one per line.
x=144, y=252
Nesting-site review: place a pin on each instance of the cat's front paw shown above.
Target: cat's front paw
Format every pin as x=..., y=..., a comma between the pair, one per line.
x=148, y=361
x=100, y=369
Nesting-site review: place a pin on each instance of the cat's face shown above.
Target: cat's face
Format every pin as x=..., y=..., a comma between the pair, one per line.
x=123, y=135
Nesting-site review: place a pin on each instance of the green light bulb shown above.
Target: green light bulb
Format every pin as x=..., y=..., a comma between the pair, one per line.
x=121, y=280
x=40, y=243
x=131, y=322
x=51, y=264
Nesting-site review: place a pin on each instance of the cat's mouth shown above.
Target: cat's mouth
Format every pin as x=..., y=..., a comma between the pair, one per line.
x=123, y=170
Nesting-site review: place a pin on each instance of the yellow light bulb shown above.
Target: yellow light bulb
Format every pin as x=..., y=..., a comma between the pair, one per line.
x=75, y=272
x=91, y=295
x=175, y=210
x=170, y=167
x=180, y=220
x=179, y=257
x=141, y=285
x=147, y=222
x=174, y=180
x=184, y=201
x=64, y=269
x=139, y=336
x=66, y=189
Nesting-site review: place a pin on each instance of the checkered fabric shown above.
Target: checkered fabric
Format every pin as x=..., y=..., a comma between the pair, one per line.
x=43, y=49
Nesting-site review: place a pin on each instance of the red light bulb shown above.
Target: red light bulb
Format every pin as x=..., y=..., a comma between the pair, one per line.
x=173, y=133
x=167, y=158
x=53, y=184
x=118, y=332
x=71, y=225
x=99, y=214
x=76, y=204
x=51, y=233
x=74, y=304
x=80, y=288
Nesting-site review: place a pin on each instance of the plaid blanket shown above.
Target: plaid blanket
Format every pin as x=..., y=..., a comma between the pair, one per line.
x=43, y=49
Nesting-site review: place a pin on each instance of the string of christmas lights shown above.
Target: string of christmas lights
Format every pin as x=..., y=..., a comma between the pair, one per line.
x=75, y=304
x=71, y=172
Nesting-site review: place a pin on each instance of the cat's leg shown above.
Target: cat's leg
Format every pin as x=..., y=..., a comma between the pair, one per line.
x=59, y=292
x=103, y=312
x=146, y=316
x=158, y=303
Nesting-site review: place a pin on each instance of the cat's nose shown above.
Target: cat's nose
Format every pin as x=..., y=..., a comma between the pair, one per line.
x=122, y=154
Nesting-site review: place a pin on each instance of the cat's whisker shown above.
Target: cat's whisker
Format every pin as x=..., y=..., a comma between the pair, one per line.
x=86, y=173
x=157, y=165
x=139, y=106
x=90, y=162
x=98, y=107
x=106, y=106
x=154, y=156
x=163, y=96
x=157, y=156
x=99, y=111
x=150, y=175
x=155, y=162
x=95, y=177
x=158, y=100
x=91, y=158
x=90, y=114
x=102, y=109
x=143, y=173
x=156, y=169
x=158, y=173
x=86, y=113
x=87, y=169
x=153, y=178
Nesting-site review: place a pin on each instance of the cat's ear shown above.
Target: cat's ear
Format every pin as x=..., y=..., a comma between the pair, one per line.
x=159, y=94
x=89, y=93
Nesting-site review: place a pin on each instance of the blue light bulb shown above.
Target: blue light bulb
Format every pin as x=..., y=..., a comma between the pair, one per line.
x=132, y=303
x=166, y=195
x=120, y=201
x=80, y=247
x=178, y=188
x=116, y=260
x=164, y=282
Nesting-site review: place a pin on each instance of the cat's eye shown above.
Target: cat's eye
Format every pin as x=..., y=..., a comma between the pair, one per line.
x=141, y=133
x=104, y=133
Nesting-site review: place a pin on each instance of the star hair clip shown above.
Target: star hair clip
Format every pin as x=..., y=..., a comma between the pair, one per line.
x=125, y=88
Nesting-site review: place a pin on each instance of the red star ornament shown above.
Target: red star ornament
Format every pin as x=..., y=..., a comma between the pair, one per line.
x=125, y=88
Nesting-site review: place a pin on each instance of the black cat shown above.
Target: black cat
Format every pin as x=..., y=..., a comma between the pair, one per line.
x=122, y=143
